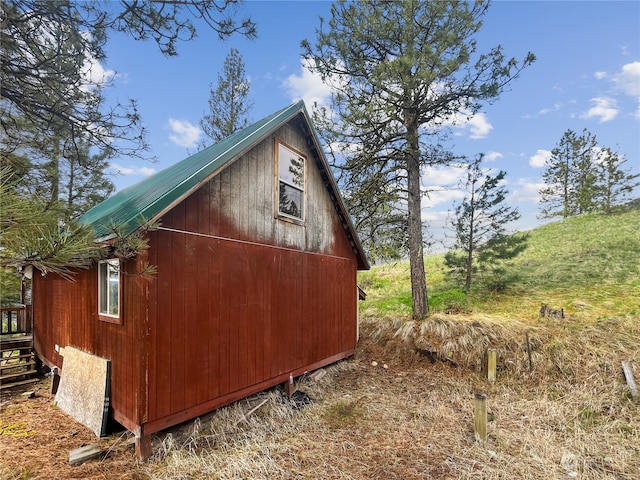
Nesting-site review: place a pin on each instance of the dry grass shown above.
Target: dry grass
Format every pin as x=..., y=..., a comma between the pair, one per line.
x=390, y=412
x=406, y=417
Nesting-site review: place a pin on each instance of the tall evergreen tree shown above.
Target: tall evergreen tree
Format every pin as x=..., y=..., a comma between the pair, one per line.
x=83, y=182
x=64, y=173
x=55, y=122
x=49, y=51
x=399, y=70
x=569, y=176
x=615, y=183
x=229, y=104
x=582, y=177
x=482, y=241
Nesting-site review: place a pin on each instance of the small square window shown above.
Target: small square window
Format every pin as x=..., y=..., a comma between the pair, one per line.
x=109, y=290
x=291, y=182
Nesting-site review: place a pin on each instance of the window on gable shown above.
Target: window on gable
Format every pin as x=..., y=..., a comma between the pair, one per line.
x=109, y=290
x=291, y=182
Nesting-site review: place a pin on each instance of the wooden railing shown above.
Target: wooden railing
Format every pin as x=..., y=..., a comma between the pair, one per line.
x=16, y=320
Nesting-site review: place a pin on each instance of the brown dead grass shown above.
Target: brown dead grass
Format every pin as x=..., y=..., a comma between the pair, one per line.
x=36, y=438
x=390, y=412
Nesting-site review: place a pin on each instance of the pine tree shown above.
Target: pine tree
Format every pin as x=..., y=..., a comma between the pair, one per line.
x=33, y=234
x=583, y=177
x=48, y=49
x=57, y=127
x=482, y=242
x=399, y=70
x=228, y=103
x=615, y=183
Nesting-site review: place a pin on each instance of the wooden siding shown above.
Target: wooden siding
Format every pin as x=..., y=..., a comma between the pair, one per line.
x=240, y=202
x=243, y=315
x=241, y=299
x=271, y=297
x=66, y=314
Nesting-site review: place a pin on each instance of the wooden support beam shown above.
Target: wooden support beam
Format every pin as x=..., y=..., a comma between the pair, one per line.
x=289, y=386
x=491, y=372
x=143, y=445
x=55, y=381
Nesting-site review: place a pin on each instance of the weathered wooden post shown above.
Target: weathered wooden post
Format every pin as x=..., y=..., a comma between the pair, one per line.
x=526, y=336
x=480, y=417
x=55, y=380
x=289, y=387
x=491, y=373
x=628, y=375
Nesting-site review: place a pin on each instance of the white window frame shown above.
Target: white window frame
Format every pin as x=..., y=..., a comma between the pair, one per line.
x=108, y=273
x=287, y=154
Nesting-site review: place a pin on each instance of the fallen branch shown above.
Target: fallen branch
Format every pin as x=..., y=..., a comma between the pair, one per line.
x=244, y=417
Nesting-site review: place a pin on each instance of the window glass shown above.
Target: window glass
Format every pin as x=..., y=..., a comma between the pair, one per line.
x=109, y=288
x=291, y=200
x=290, y=182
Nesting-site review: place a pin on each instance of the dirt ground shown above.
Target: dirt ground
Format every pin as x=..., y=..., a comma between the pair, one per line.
x=387, y=413
x=36, y=437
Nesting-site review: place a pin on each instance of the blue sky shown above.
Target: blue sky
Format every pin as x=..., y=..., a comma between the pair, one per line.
x=587, y=75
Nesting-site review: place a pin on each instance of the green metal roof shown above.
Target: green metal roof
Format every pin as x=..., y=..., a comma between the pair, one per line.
x=150, y=198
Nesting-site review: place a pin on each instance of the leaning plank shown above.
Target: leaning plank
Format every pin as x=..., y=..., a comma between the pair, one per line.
x=83, y=454
x=628, y=374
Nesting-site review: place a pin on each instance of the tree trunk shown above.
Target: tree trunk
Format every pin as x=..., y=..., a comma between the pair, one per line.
x=469, y=261
x=419, y=297
x=471, y=242
x=54, y=171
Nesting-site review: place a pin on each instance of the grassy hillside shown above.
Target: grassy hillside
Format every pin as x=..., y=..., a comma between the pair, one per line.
x=585, y=263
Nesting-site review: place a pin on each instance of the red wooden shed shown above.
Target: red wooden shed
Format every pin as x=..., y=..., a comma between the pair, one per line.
x=256, y=262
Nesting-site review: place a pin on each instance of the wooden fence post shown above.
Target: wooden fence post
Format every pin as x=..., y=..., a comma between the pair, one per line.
x=628, y=375
x=526, y=336
x=491, y=373
x=480, y=417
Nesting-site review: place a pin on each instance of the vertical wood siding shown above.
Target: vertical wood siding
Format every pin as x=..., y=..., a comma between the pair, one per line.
x=241, y=299
x=66, y=314
x=262, y=312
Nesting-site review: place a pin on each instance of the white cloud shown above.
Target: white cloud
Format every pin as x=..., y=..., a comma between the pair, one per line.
x=556, y=107
x=184, y=134
x=540, y=158
x=435, y=217
x=477, y=125
x=600, y=75
x=526, y=191
x=442, y=176
x=122, y=170
x=628, y=79
x=493, y=156
x=442, y=195
x=308, y=87
x=93, y=73
x=605, y=109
